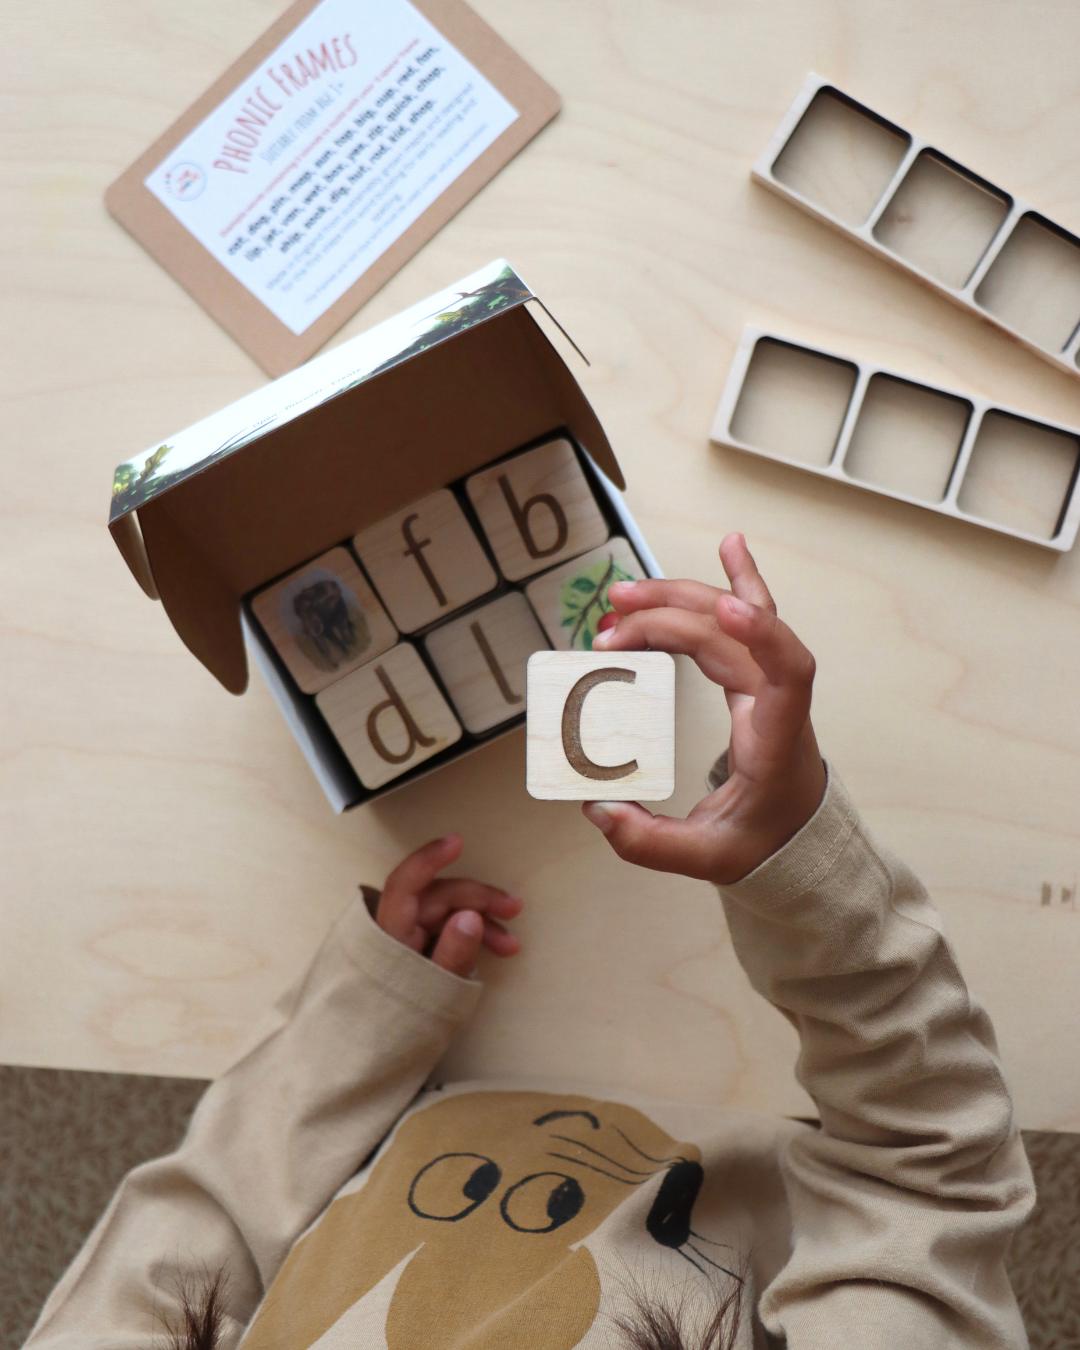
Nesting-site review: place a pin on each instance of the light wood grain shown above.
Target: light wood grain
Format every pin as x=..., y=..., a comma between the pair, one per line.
x=1033, y=284
x=1020, y=473
x=425, y=561
x=389, y=716
x=536, y=509
x=170, y=862
x=481, y=660
x=600, y=726
x=793, y=402
x=840, y=159
x=941, y=220
x=907, y=438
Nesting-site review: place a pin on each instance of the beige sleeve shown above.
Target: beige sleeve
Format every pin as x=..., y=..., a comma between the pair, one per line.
x=269, y=1144
x=904, y=1202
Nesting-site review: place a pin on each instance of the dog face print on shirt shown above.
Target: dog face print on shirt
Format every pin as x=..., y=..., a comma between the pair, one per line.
x=489, y=1195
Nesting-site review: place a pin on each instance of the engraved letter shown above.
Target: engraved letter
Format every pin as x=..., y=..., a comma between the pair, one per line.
x=576, y=757
x=394, y=700
x=521, y=518
x=416, y=550
x=497, y=672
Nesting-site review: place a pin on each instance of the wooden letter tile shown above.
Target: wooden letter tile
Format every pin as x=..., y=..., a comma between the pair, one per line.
x=388, y=716
x=601, y=726
x=481, y=658
x=425, y=561
x=537, y=509
x=570, y=600
x=324, y=620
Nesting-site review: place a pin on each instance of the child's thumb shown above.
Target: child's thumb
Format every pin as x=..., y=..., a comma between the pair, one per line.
x=458, y=944
x=660, y=842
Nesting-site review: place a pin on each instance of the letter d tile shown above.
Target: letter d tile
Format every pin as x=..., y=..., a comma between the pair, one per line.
x=389, y=716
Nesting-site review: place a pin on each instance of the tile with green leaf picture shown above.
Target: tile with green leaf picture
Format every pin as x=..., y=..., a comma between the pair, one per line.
x=570, y=600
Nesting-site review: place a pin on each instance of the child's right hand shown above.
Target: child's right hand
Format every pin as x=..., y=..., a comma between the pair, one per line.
x=776, y=778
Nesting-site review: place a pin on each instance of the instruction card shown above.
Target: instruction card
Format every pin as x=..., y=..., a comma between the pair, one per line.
x=332, y=151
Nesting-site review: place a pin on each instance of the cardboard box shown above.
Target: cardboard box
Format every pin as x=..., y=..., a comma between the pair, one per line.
x=286, y=473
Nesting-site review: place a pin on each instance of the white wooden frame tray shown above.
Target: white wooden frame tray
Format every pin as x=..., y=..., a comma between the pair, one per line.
x=1019, y=271
x=837, y=466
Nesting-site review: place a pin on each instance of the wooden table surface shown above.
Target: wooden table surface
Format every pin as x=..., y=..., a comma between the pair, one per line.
x=170, y=863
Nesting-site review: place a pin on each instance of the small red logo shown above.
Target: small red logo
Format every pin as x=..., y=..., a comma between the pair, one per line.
x=185, y=181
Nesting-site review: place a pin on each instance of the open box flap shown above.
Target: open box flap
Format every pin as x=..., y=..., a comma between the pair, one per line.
x=297, y=485
x=129, y=540
x=472, y=300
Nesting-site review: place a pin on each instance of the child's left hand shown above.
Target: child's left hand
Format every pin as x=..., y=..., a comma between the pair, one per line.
x=446, y=918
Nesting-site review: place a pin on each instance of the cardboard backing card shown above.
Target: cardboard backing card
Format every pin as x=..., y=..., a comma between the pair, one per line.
x=343, y=161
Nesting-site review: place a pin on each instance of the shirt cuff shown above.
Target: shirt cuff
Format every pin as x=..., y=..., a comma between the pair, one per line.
x=405, y=974
x=807, y=858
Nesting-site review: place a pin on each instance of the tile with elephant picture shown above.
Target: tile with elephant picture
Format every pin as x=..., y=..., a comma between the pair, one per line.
x=571, y=600
x=324, y=620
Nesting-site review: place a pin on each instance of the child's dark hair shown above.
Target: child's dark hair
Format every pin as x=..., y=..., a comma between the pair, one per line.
x=202, y=1312
x=661, y=1318
x=652, y=1324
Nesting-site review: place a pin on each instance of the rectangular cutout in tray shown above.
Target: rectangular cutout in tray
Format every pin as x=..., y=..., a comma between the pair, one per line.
x=943, y=449
x=898, y=196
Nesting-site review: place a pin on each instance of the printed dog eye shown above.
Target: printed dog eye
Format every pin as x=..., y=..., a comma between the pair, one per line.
x=542, y=1207
x=440, y=1185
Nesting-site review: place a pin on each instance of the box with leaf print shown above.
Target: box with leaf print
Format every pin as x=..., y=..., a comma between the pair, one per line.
x=389, y=532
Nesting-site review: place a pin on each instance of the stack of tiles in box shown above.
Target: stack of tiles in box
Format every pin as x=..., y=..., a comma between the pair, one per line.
x=413, y=636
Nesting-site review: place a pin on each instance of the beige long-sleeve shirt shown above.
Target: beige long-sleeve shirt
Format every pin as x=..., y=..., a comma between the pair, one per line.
x=355, y=1203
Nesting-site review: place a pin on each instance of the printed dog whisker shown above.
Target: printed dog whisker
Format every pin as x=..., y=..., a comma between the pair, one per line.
x=641, y=1152
x=691, y=1260
x=565, y=1157
x=637, y=1171
x=715, y=1264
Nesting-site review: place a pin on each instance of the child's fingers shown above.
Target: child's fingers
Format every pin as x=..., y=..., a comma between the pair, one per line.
x=421, y=867
x=782, y=702
x=498, y=940
x=746, y=580
x=668, y=629
x=458, y=944
x=399, y=902
x=660, y=842
x=656, y=592
x=683, y=633
x=449, y=893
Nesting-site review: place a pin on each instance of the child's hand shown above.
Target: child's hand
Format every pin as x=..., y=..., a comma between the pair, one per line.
x=776, y=775
x=448, y=918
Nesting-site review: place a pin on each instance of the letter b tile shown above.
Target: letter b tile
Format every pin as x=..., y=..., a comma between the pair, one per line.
x=537, y=509
x=388, y=716
x=600, y=726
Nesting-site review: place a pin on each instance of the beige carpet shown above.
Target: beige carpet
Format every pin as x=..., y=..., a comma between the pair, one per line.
x=67, y=1138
